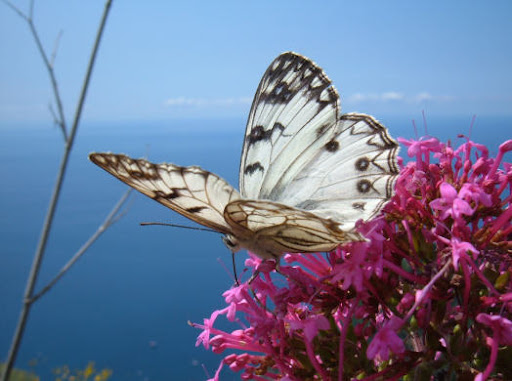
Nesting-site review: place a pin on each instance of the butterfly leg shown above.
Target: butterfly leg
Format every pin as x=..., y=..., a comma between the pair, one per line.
x=254, y=275
x=278, y=266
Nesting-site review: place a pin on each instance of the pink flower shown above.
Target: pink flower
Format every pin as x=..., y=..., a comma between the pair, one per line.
x=405, y=303
x=417, y=147
x=450, y=204
x=352, y=270
x=386, y=340
x=204, y=336
x=460, y=250
x=501, y=327
x=217, y=373
x=475, y=193
x=310, y=326
x=502, y=334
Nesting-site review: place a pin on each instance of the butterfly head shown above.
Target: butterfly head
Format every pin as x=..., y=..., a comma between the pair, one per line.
x=231, y=243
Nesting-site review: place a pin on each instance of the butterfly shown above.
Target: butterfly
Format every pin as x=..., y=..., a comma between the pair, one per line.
x=307, y=174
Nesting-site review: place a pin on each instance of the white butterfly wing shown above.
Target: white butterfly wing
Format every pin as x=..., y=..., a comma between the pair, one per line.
x=293, y=115
x=190, y=191
x=351, y=177
x=298, y=150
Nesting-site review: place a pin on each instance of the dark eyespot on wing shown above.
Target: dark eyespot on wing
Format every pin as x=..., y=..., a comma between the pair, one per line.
x=174, y=193
x=278, y=126
x=281, y=93
x=325, y=96
x=136, y=174
x=195, y=209
x=259, y=133
x=321, y=130
x=364, y=186
x=358, y=205
x=332, y=146
x=251, y=168
x=362, y=164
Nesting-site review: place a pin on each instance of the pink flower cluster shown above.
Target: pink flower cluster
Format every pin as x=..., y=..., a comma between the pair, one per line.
x=429, y=296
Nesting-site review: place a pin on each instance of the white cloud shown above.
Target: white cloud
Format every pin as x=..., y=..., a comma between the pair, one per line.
x=393, y=96
x=383, y=97
x=420, y=97
x=358, y=97
x=207, y=102
x=424, y=96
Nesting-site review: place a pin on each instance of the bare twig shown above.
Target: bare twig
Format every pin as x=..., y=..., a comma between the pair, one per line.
x=51, y=73
x=16, y=9
x=38, y=256
x=61, y=120
x=55, y=48
x=112, y=218
x=54, y=115
x=123, y=212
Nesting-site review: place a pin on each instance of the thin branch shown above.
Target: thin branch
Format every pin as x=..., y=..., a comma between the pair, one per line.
x=55, y=48
x=49, y=67
x=112, y=218
x=123, y=212
x=51, y=73
x=16, y=9
x=54, y=115
x=38, y=256
x=92, y=59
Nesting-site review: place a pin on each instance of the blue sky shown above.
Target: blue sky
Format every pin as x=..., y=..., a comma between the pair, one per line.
x=201, y=59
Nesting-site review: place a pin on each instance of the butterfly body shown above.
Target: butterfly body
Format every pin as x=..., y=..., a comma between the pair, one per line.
x=307, y=173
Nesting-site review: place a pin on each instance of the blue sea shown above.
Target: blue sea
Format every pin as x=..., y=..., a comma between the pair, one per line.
x=125, y=304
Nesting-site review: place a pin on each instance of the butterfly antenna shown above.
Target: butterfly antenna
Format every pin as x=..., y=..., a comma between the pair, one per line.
x=234, y=269
x=178, y=226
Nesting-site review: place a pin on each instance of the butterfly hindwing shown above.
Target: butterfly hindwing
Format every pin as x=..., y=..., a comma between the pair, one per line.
x=270, y=229
x=190, y=191
x=294, y=114
x=352, y=177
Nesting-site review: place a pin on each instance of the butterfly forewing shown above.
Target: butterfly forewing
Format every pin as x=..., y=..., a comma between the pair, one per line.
x=294, y=113
x=190, y=191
